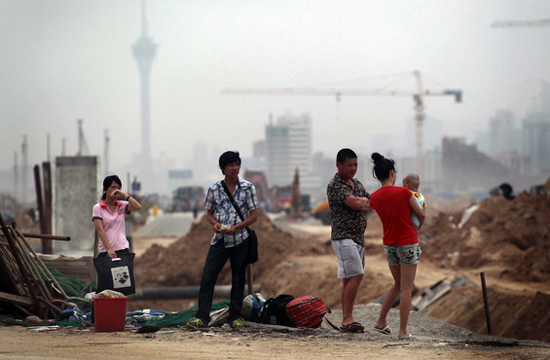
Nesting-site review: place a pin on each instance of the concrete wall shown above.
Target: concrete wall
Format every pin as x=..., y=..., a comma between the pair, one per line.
x=76, y=190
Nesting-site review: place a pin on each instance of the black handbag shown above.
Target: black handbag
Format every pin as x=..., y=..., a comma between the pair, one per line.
x=115, y=274
x=252, y=250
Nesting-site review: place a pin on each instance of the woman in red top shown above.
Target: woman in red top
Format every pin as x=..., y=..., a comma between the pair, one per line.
x=394, y=204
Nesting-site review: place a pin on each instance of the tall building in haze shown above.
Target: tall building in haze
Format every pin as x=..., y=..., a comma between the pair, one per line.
x=503, y=134
x=288, y=144
x=536, y=134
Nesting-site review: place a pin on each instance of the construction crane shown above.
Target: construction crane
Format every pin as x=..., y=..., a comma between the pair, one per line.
x=417, y=94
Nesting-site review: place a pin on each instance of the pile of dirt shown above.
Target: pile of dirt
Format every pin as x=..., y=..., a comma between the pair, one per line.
x=439, y=204
x=181, y=263
x=513, y=314
x=512, y=236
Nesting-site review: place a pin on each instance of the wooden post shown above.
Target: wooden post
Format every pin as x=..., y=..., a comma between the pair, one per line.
x=39, y=203
x=47, y=204
x=486, y=302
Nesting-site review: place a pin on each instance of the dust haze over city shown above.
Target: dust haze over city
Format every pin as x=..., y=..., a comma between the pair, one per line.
x=65, y=60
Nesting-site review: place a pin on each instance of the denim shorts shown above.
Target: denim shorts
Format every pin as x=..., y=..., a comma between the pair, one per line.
x=403, y=255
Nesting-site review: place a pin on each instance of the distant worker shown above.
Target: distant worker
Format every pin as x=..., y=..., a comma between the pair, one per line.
x=195, y=210
x=349, y=203
x=393, y=205
x=412, y=182
x=230, y=240
x=30, y=214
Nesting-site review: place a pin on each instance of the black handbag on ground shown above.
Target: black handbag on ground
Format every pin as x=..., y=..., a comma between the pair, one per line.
x=115, y=274
x=252, y=250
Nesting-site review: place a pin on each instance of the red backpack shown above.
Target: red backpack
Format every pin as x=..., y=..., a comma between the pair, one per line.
x=306, y=311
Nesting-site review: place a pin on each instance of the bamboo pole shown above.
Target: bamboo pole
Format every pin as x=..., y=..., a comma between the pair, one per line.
x=24, y=272
x=44, y=236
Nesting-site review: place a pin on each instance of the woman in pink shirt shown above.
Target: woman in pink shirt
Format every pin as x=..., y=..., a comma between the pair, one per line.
x=393, y=204
x=109, y=217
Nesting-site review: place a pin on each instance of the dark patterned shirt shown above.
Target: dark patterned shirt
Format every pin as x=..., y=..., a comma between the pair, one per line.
x=346, y=222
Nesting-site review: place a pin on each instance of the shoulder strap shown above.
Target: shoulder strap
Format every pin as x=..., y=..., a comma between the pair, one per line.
x=330, y=324
x=232, y=200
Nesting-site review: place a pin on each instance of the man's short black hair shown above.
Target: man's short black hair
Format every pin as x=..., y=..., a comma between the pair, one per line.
x=229, y=157
x=345, y=154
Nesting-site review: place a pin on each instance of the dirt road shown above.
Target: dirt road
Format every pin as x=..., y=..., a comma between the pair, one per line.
x=253, y=343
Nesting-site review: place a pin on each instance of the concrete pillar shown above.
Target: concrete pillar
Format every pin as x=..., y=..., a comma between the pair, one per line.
x=76, y=190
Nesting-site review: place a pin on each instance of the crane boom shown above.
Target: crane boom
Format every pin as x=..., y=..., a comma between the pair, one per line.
x=337, y=92
x=521, y=23
x=417, y=95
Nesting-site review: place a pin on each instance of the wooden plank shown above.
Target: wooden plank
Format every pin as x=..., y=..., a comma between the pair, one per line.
x=16, y=299
x=81, y=268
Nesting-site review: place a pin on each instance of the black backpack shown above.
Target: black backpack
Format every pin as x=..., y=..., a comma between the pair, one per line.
x=274, y=311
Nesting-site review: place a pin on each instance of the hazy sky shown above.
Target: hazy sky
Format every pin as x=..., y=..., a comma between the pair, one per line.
x=61, y=60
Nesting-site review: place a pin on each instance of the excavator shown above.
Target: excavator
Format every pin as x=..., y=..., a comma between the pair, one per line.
x=545, y=191
x=322, y=212
x=542, y=189
x=506, y=190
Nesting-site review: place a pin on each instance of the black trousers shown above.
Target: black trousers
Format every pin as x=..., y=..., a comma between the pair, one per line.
x=215, y=261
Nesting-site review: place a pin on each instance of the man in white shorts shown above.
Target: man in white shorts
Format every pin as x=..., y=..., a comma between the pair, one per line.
x=349, y=203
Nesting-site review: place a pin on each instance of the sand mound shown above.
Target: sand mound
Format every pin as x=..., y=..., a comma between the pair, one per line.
x=515, y=315
x=181, y=263
x=511, y=235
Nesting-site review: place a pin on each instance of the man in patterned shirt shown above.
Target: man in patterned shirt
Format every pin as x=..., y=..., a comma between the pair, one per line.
x=349, y=203
x=230, y=239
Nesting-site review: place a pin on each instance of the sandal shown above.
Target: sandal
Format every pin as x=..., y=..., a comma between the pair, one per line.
x=353, y=327
x=385, y=330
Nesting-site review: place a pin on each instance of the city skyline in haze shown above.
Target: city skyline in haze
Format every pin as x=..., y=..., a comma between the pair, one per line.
x=67, y=60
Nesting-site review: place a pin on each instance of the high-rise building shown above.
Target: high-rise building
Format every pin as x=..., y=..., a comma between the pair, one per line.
x=536, y=134
x=503, y=134
x=288, y=144
x=467, y=170
x=536, y=142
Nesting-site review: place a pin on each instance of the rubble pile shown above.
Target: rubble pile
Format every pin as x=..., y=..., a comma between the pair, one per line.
x=511, y=235
x=27, y=287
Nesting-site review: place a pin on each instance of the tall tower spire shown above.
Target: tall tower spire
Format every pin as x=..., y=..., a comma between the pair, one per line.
x=144, y=50
x=143, y=20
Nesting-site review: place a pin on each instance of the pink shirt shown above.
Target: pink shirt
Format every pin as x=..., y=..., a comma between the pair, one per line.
x=114, y=224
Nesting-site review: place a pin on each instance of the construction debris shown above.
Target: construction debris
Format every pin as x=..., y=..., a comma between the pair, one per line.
x=26, y=285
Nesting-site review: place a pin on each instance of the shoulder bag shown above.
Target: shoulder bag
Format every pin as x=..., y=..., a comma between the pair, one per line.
x=252, y=251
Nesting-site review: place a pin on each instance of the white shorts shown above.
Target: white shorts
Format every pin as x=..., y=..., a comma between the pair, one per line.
x=351, y=258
